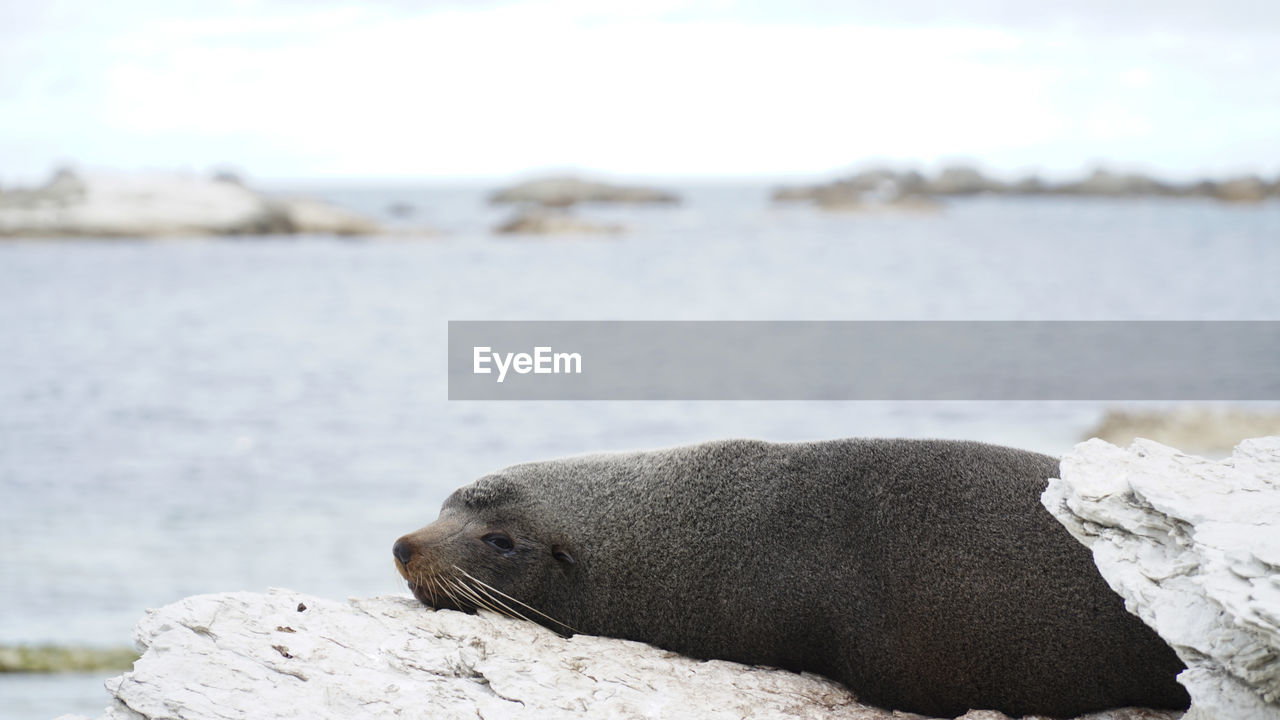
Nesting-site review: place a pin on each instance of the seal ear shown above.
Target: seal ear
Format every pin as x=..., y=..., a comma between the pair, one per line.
x=562, y=555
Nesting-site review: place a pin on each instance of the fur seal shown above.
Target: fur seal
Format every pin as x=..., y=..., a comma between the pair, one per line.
x=925, y=575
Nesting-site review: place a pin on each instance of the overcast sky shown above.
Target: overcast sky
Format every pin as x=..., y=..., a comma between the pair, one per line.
x=294, y=89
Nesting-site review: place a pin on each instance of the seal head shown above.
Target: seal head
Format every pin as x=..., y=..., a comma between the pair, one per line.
x=483, y=553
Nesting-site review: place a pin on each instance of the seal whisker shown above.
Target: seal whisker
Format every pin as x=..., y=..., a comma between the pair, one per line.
x=489, y=588
x=427, y=584
x=492, y=603
x=451, y=592
x=464, y=593
x=461, y=590
x=477, y=600
x=434, y=590
x=506, y=609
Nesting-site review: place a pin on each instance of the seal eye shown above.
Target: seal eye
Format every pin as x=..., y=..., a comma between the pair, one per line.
x=500, y=541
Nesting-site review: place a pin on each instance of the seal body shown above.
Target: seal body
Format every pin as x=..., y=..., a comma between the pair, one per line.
x=925, y=575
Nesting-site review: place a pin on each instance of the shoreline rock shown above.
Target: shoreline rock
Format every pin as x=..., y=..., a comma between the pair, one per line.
x=1193, y=546
x=161, y=205
x=566, y=191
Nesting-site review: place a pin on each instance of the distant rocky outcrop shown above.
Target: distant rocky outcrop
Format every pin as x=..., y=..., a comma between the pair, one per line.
x=541, y=221
x=962, y=180
x=1244, y=190
x=567, y=191
x=247, y=656
x=1193, y=546
x=63, y=658
x=1195, y=428
x=842, y=199
x=877, y=189
x=1105, y=183
x=151, y=205
x=308, y=216
x=882, y=187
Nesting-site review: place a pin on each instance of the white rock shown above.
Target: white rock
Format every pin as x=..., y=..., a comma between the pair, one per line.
x=154, y=204
x=247, y=655
x=1193, y=546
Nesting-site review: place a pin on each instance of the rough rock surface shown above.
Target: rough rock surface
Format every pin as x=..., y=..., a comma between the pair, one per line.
x=254, y=656
x=566, y=191
x=152, y=205
x=1193, y=546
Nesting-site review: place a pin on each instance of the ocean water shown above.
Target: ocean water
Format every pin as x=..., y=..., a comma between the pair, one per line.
x=203, y=416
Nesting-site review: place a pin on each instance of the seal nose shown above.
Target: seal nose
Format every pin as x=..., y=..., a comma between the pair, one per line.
x=402, y=551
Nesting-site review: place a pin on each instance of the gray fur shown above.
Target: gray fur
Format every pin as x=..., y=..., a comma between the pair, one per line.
x=923, y=574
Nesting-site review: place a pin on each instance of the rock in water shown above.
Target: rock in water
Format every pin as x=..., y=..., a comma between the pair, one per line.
x=1194, y=548
x=1242, y=190
x=307, y=216
x=553, y=222
x=566, y=191
x=150, y=205
x=963, y=180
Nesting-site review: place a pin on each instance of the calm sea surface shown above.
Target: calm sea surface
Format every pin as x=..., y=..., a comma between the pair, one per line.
x=205, y=416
